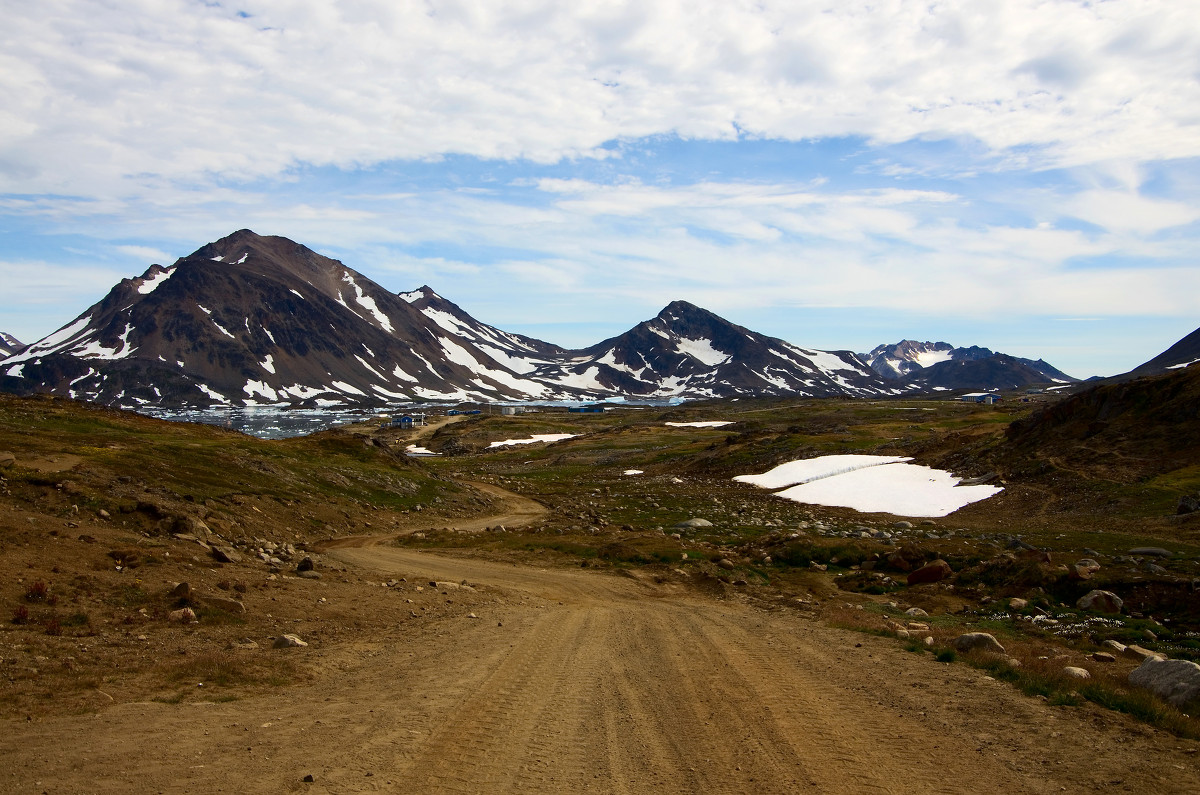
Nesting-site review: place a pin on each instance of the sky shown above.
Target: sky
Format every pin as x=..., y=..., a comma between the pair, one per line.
x=1022, y=175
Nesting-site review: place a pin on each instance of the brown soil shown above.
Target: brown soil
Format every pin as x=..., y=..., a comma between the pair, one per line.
x=566, y=680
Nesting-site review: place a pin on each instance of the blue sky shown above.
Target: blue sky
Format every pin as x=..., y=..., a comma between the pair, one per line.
x=1024, y=177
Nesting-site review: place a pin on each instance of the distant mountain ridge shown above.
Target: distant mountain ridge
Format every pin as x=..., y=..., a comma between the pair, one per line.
x=254, y=320
x=939, y=365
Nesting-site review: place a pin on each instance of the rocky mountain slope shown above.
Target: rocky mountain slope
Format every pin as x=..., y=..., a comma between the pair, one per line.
x=928, y=366
x=9, y=345
x=1182, y=354
x=255, y=320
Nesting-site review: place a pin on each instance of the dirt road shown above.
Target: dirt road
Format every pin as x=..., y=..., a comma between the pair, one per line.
x=572, y=680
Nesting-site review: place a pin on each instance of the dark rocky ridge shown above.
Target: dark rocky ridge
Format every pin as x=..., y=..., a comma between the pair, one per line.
x=264, y=320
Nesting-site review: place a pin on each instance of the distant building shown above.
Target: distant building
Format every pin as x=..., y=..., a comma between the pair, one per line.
x=980, y=397
x=405, y=421
x=586, y=409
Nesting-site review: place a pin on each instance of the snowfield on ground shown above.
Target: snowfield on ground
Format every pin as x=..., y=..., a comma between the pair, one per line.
x=708, y=424
x=871, y=484
x=537, y=437
x=417, y=450
x=795, y=472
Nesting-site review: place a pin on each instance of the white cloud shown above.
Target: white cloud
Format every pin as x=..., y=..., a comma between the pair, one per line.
x=146, y=254
x=92, y=105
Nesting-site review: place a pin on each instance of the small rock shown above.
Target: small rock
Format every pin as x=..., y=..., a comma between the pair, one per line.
x=915, y=612
x=929, y=640
x=977, y=640
x=224, y=603
x=288, y=642
x=226, y=554
x=182, y=591
x=1017, y=603
x=184, y=615
x=7, y=460
x=726, y=563
x=688, y=523
x=1102, y=656
x=1089, y=564
x=1100, y=601
x=103, y=514
x=309, y=575
x=1114, y=645
x=936, y=571
x=1072, y=672
x=902, y=525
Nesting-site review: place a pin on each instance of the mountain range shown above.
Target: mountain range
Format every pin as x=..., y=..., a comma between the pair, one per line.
x=253, y=320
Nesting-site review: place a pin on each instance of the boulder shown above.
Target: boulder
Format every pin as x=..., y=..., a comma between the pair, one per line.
x=288, y=642
x=305, y=564
x=182, y=591
x=1102, y=656
x=184, y=615
x=977, y=640
x=694, y=523
x=1016, y=603
x=1176, y=681
x=915, y=612
x=1151, y=552
x=936, y=571
x=1135, y=652
x=1187, y=503
x=1072, y=672
x=308, y=575
x=726, y=563
x=1100, y=602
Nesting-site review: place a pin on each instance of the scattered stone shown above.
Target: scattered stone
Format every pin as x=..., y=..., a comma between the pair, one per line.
x=182, y=591
x=308, y=575
x=817, y=566
x=903, y=633
x=1072, y=672
x=184, y=615
x=915, y=612
x=305, y=564
x=1187, y=503
x=1102, y=656
x=308, y=779
x=1089, y=564
x=688, y=523
x=7, y=460
x=288, y=642
x=936, y=571
x=902, y=525
x=977, y=640
x=1152, y=552
x=1016, y=603
x=1114, y=645
x=1177, y=681
x=929, y=640
x=103, y=514
x=725, y=563
x=1100, y=602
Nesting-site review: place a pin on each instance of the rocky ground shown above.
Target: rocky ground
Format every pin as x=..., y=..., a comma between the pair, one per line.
x=535, y=621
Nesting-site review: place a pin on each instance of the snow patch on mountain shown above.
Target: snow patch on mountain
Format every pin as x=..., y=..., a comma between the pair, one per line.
x=150, y=285
x=702, y=350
